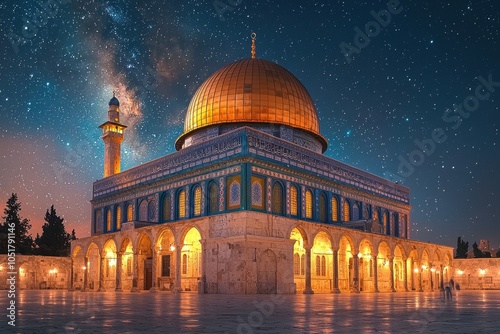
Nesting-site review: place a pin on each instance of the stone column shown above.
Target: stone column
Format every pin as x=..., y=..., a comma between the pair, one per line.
x=432, y=273
x=101, y=274
x=375, y=272
x=85, y=274
x=355, y=285
x=177, y=283
x=71, y=278
x=442, y=277
x=335, y=271
x=308, y=289
x=154, y=288
x=118, y=287
x=391, y=270
x=405, y=273
x=202, y=279
x=420, y=289
x=135, y=277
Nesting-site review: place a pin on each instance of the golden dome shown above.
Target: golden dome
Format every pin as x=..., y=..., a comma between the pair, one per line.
x=252, y=91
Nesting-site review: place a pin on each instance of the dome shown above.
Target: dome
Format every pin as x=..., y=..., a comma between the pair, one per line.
x=252, y=91
x=114, y=101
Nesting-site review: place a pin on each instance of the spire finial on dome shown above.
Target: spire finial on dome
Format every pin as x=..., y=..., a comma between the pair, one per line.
x=254, y=37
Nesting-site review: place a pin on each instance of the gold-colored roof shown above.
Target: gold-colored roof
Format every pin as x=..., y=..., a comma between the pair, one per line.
x=252, y=91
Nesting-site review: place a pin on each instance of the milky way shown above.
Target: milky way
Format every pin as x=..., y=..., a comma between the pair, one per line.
x=383, y=77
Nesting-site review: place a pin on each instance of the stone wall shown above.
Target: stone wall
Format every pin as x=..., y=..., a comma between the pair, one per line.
x=37, y=272
x=477, y=274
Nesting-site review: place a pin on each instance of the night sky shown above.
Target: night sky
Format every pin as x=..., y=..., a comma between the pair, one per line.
x=60, y=65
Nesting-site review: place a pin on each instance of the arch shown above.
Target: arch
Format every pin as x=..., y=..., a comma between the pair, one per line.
x=127, y=252
x=151, y=211
x=399, y=267
x=109, y=221
x=395, y=221
x=166, y=211
x=277, y=203
x=267, y=272
x=191, y=251
x=346, y=263
x=321, y=262
x=93, y=256
x=165, y=259
x=196, y=200
x=78, y=258
x=383, y=266
x=213, y=197
x=143, y=211
x=109, y=258
x=425, y=271
x=413, y=269
x=294, y=200
x=355, y=211
x=299, y=252
x=130, y=212
x=144, y=256
x=309, y=204
x=365, y=257
x=386, y=227
x=346, y=210
x=335, y=208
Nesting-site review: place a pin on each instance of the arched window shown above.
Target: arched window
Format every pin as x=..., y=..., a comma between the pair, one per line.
x=108, y=220
x=277, y=199
x=130, y=212
x=347, y=210
x=302, y=264
x=318, y=265
x=322, y=208
x=335, y=209
x=375, y=215
x=184, y=264
x=143, y=211
x=257, y=199
x=355, y=211
x=396, y=224
x=166, y=208
x=197, y=201
x=296, y=264
x=323, y=265
x=234, y=194
x=213, y=198
x=385, y=223
x=118, y=217
x=293, y=201
x=182, y=204
x=309, y=204
x=151, y=211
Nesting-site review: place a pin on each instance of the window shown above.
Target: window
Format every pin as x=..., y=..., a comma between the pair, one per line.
x=396, y=224
x=318, y=265
x=143, y=211
x=234, y=194
x=387, y=228
x=130, y=212
x=257, y=194
x=151, y=211
x=355, y=211
x=293, y=201
x=277, y=199
x=335, y=209
x=375, y=215
x=184, y=264
x=322, y=208
x=323, y=265
x=309, y=204
x=347, y=211
x=182, y=204
x=197, y=201
x=166, y=208
x=296, y=264
x=118, y=217
x=108, y=220
x=213, y=198
x=165, y=265
x=129, y=266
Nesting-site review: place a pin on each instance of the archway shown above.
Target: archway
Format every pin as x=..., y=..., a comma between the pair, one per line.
x=266, y=272
x=413, y=270
x=366, y=279
x=78, y=268
x=299, y=260
x=399, y=268
x=144, y=263
x=109, y=252
x=165, y=261
x=127, y=264
x=93, y=266
x=384, y=269
x=322, y=263
x=191, y=260
x=425, y=271
x=346, y=264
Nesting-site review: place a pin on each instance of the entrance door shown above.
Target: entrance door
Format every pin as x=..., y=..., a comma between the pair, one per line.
x=148, y=273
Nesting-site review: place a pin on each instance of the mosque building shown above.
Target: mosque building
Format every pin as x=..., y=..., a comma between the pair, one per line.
x=249, y=204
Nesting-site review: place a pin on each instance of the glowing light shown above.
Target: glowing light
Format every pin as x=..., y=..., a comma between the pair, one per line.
x=460, y=272
x=360, y=255
x=415, y=270
x=433, y=269
x=84, y=268
x=424, y=267
x=482, y=271
x=172, y=248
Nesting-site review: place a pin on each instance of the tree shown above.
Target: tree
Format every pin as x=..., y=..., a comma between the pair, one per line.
x=54, y=241
x=462, y=249
x=477, y=252
x=13, y=223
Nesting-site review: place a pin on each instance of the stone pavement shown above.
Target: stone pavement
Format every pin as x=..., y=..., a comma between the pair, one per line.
x=53, y=311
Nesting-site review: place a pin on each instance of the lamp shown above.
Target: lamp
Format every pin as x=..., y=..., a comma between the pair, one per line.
x=172, y=247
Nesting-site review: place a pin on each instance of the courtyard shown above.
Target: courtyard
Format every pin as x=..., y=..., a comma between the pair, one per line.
x=60, y=311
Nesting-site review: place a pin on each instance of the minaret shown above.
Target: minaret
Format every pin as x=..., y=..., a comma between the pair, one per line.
x=112, y=135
